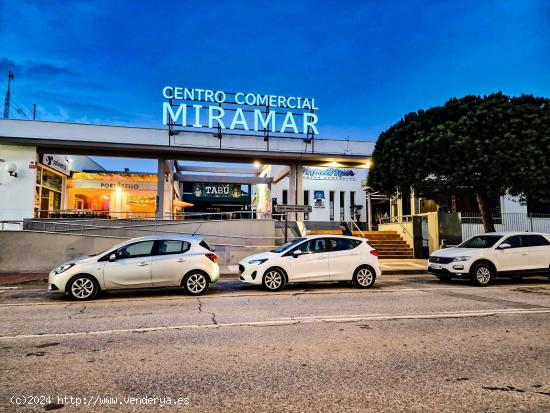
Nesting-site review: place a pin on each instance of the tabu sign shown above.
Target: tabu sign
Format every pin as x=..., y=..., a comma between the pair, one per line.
x=202, y=108
x=218, y=192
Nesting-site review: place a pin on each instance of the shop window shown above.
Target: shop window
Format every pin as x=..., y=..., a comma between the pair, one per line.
x=285, y=196
x=331, y=205
x=342, y=206
x=306, y=202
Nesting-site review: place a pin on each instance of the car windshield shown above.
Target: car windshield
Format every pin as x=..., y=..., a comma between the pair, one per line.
x=288, y=245
x=481, y=241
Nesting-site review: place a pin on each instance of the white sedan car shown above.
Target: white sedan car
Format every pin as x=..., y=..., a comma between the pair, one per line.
x=495, y=254
x=157, y=261
x=313, y=258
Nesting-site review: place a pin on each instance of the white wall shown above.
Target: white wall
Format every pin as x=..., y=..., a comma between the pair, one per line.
x=510, y=204
x=17, y=194
x=327, y=185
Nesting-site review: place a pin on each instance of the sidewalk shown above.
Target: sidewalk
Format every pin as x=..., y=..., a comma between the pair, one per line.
x=404, y=266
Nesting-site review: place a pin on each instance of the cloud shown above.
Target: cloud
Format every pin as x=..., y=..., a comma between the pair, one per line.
x=34, y=69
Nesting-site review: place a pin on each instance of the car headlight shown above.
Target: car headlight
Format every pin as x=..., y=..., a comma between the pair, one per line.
x=62, y=268
x=463, y=258
x=257, y=262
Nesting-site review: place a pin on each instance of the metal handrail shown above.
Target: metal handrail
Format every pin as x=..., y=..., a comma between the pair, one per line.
x=83, y=227
x=354, y=224
x=399, y=220
x=104, y=214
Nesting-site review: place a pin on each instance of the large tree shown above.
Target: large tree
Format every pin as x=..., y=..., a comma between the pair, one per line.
x=487, y=144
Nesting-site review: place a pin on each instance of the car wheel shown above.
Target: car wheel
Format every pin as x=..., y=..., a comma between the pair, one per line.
x=195, y=283
x=482, y=275
x=274, y=279
x=83, y=287
x=364, y=277
x=443, y=277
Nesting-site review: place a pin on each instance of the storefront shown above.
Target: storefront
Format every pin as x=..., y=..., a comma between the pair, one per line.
x=335, y=194
x=216, y=197
x=51, y=176
x=112, y=194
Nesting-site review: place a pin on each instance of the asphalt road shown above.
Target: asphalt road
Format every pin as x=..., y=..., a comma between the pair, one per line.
x=409, y=344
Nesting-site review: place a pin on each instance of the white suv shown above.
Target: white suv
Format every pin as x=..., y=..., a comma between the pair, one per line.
x=484, y=257
x=313, y=258
x=162, y=261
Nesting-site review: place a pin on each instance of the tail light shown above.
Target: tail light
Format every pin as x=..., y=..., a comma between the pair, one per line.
x=374, y=252
x=212, y=257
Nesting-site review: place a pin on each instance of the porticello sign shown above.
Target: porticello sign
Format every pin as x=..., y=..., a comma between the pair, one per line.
x=209, y=111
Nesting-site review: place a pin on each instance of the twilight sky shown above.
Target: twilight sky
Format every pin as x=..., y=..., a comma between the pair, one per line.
x=367, y=63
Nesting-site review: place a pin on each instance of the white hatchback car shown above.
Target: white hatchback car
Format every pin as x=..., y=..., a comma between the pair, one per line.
x=156, y=261
x=495, y=254
x=313, y=258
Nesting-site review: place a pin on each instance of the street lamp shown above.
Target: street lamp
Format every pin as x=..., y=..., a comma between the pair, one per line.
x=12, y=169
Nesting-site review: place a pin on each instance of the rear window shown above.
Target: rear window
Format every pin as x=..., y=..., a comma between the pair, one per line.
x=172, y=247
x=205, y=245
x=342, y=244
x=534, y=241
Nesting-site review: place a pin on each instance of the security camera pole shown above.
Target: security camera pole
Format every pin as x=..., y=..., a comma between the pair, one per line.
x=7, y=100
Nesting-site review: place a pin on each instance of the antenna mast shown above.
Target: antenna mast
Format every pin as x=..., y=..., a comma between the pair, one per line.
x=7, y=99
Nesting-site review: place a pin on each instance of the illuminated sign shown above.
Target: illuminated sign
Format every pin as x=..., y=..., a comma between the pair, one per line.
x=239, y=111
x=112, y=185
x=57, y=162
x=214, y=192
x=328, y=173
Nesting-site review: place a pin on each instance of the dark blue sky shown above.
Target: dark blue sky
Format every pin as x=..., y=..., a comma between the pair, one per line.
x=366, y=62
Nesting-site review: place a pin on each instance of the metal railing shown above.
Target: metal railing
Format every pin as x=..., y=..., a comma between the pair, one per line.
x=117, y=227
x=400, y=220
x=354, y=225
x=89, y=214
x=529, y=222
x=10, y=225
x=395, y=220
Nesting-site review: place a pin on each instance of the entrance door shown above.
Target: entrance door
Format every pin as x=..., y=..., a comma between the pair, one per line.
x=132, y=267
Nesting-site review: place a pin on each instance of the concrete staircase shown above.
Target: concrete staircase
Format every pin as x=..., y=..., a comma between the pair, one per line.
x=389, y=244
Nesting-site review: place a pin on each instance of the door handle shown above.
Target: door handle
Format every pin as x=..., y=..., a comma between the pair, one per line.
x=181, y=260
x=523, y=253
x=143, y=264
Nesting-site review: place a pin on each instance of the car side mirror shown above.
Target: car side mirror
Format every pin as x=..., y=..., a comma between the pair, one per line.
x=297, y=253
x=212, y=248
x=112, y=257
x=504, y=246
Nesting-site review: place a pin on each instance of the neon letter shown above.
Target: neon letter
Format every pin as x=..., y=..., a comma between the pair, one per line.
x=242, y=121
x=289, y=123
x=217, y=118
x=167, y=109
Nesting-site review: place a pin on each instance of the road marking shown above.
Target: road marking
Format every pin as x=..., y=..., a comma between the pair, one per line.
x=375, y=289
x=292, y=321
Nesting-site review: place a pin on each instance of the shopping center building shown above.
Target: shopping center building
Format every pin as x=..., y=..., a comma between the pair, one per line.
x=47, y=170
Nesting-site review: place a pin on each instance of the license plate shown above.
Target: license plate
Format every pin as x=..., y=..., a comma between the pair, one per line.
x=436, y=266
